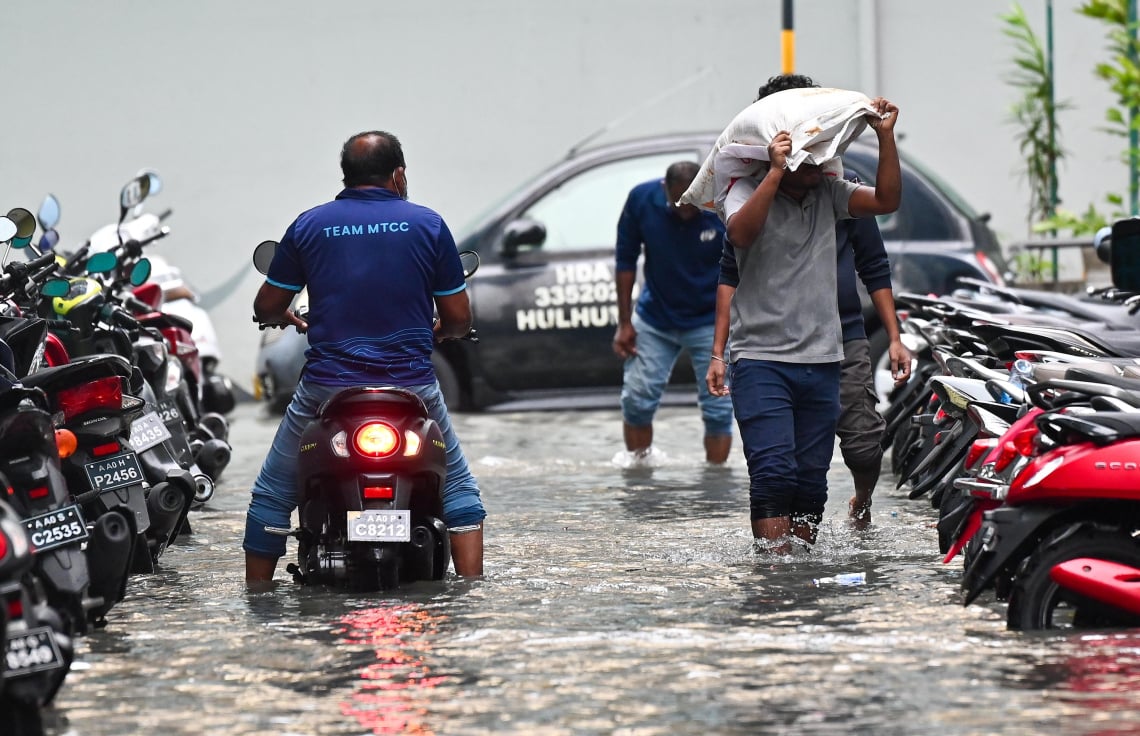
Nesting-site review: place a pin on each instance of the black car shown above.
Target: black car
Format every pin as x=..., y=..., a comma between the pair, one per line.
x=545, y=299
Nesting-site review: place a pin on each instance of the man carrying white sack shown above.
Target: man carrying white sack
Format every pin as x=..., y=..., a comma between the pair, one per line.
x=786, y=337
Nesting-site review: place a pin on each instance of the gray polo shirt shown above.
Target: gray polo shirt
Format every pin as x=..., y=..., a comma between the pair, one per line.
x=785, y=308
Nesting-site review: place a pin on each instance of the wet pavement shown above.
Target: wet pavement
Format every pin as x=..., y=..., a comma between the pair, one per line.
x=615, y=602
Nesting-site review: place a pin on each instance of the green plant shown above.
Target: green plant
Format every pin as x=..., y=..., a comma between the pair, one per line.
x=1035, y=114
x=1030, y=266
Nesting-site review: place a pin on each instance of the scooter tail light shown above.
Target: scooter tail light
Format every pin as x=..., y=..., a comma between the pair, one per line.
x=1005, y=456
x=15, y=609
x=38, y=493
x=4, y=546
x=379, y=493
x=376, y=439
x=978, y=449
x=66, y=442
x=104, y=393
x=109, y=448
x=411, y=443
x=1025, y=441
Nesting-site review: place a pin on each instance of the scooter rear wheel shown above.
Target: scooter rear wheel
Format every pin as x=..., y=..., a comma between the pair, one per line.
x=1036, y=602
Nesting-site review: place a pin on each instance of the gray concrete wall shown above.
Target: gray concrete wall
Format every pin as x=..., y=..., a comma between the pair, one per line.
x=243, y=106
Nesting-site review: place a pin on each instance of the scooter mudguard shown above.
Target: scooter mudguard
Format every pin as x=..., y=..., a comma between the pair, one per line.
x=971, y=526
x=1004, y=533
x=1108, y=582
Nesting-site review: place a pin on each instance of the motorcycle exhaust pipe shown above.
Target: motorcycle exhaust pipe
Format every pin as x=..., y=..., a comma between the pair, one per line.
x=213, y=457
x=165, y=502
x=108, y=557
x=213, y=426
x=421, y=554
x=204, y=488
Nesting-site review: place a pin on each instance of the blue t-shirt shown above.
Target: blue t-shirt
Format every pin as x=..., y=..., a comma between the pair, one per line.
x=372, y=263
x=681, y=259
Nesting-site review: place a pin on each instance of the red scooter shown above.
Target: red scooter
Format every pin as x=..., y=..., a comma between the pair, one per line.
x=1078, y=498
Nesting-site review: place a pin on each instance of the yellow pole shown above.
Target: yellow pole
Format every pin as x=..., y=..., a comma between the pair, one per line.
x=788, y=41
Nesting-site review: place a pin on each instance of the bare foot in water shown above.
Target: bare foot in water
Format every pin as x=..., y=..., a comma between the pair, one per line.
x=859, y=511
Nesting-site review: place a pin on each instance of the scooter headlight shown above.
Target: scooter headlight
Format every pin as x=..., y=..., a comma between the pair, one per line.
x=376, y=439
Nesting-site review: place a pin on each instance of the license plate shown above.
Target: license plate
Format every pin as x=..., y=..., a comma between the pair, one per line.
x=32, y=651
x=56, y=528
x=379, y=526
x=148, y=431
x=168, y=410
x=109, y=473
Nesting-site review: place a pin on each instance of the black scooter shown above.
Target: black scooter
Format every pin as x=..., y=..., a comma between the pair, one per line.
x=370, y=477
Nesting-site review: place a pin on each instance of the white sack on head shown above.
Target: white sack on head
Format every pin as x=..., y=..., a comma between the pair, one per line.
x=821, y=121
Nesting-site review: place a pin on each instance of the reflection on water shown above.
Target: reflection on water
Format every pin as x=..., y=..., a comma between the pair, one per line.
x=616, y=601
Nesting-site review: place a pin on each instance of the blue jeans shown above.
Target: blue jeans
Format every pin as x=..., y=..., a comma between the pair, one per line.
x=275, y=489
x=647, y=373
x=787, y=414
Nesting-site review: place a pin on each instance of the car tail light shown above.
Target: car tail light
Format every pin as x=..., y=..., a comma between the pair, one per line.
x=376, y=439
x=978, y=450
x=989, y=267
x=381, y=493
x=105, y=393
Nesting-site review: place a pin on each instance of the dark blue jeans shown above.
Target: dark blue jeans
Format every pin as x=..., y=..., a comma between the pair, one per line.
x=787, y=414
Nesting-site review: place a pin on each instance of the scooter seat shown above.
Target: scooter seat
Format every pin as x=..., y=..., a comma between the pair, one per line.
x=1083, y=373
x=362, y=399
x=1106, y=426
x=79, y=370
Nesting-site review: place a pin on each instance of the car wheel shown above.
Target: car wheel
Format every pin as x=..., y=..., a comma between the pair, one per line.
x=448, y=382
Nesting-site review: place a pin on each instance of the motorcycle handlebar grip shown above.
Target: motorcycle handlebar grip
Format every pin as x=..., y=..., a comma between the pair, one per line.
x=122, y=319
x=59, y=324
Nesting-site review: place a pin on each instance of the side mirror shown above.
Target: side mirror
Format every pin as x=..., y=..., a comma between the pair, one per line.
x=25, y=227
x=1102, y=242
x=263, y=255
x=522, y=232
x=48, y=214
x=133, y=194
x=49, y=240
x=102, y=262
x=470, y=261
x=7, y=229
x=140, y=272
x=1125, y=256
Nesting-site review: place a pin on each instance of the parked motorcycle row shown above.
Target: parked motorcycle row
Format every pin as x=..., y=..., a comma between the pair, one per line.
x=1021, y=425
x=111, y=433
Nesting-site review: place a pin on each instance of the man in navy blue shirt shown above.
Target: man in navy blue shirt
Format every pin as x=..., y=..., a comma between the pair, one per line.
x=675, y=310
x=375, y=265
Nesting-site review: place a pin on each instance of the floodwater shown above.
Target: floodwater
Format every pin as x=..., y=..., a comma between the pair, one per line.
x=615, y=602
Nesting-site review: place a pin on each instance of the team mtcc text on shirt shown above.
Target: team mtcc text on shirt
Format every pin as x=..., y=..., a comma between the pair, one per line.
x=376, y=227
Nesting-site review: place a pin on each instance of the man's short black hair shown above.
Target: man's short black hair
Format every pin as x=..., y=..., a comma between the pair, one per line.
x=369, y=158
x=783, y=82
x=681, y=171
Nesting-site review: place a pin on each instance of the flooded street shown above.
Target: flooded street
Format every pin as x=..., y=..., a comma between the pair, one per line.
x=615, y=602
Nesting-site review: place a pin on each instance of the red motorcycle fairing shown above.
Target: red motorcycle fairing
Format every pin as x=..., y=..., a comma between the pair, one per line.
x=1080, y=472
x=1108, y=582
